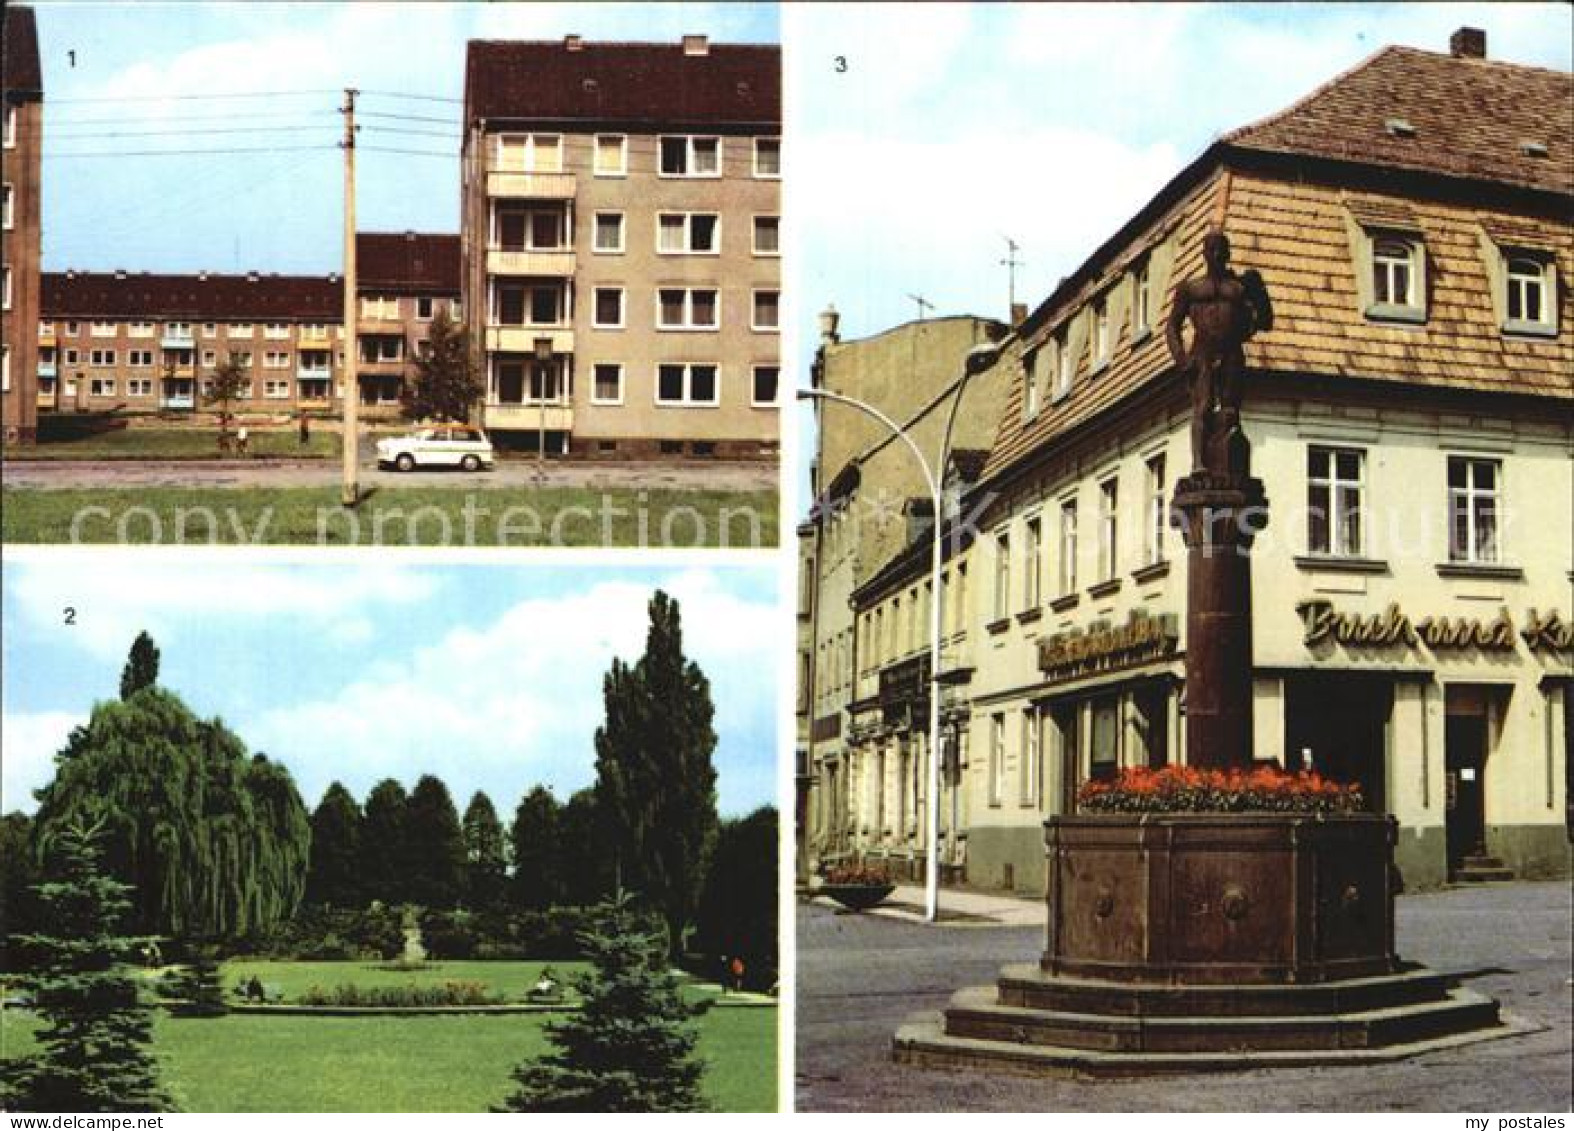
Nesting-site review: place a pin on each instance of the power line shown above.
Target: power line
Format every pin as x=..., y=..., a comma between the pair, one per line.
x=192, y=97
x=133, y=119
x=408, y=152
x=193, y=132
x=187, y=152
x=452, y=134
x=412, y=97
x=406, y=117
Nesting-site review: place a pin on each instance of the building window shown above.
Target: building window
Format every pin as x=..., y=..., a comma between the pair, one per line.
x=521, y=304
x=276, y=331
x=997, y=757
x=276, y=390
x=767, y=310
x=247, y=330
x=101, y=387
x=530, y=153
x=767, y=378
x=1064, y=365
x=522, y=228
x=767, y=235
x=5, y=351
x=1334, y=485
x=73, y=328
x=145, y=330
x=378, y=349
x=1030, y=371
x=102, y=329
x=606, y=386
x=1398, y=284
x=1528, y=302
x=6, y=209
x=210, y=329
x=210, y=357
x=1109, y=529
x=1158, y=509
x=609, y=231
x=1032, y=573
x=241, y=358
x=278, y=359
x=101, y=358
x=1106, y=738
x=1101, y=334
x=424, y=305
x=1030, y=787
x=10, y=127
x=1473, y=509
x=5, y=287
x=688, y=233
x=139, y=359
x=608, y=313
x=611, y=155
x=1068, y=547
x=1002, y=575
x=687, y=385
x=767, y=157
x=1141, y=300
x=690, y=156
x=684, y=308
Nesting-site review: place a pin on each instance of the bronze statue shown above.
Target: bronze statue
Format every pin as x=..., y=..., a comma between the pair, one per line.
x=1225, y=309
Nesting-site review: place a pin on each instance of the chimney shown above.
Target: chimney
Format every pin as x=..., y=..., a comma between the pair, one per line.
x=202, y=276
x=120, y=272
x=1468, y=43
x=1018, y=313
x=829, y=321
x=696, y=45
x=251, y=276
x=409, y=237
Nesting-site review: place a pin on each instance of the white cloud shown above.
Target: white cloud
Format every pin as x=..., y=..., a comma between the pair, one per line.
x=517, y=701
x=28, y=743
x=113, y=603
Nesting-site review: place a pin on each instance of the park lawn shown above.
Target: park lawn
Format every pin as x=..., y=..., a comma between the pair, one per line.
x=393, y=516
x=177, y=443
x=247, y=1062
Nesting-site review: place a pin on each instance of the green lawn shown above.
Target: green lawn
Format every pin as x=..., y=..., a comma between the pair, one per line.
x=176, y=443
x=246, y=1062
x=393, y=516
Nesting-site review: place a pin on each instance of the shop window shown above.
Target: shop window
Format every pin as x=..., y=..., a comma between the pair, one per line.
x=1106, y=739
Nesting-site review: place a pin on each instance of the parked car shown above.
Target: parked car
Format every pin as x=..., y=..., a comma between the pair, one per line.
x=437, y=445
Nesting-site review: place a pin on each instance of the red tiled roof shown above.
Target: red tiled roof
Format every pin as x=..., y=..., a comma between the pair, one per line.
x=407, y=261
x=20, y=33
x=1471, y=118
x=657, y=83
x=308, y=298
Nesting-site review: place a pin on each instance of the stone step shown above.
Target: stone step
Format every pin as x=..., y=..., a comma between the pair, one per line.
x=1471, y=872
x=923, y=1042
x=1028, y=986
x=976, y=1014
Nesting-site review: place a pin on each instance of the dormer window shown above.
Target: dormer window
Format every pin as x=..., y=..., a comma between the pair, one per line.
x=1064, y=364
x=1399, y=127
x=1528, y=304
x=1101, y=334
x=1030, y=385
x=1397, y=278
x=1141, y=301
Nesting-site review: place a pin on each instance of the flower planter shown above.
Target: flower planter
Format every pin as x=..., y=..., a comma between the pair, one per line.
x=857, y=897
x=1216, y=898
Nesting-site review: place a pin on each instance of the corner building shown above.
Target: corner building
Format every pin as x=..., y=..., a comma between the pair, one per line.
x=20, y=235
x=621, y=245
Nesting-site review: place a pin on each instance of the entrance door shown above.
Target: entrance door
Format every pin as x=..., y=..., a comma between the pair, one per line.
x=1066, y=729
x=1335, y=723
x=1464, y=753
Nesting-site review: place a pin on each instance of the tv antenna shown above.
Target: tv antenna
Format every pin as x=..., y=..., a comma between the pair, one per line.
x=924, y=305
x=1011, y=263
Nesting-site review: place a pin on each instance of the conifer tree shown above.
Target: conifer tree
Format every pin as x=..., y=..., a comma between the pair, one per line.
x=334, y=878
x=537, y=842
x=201, y=984
x=384, y=843
x=141, y=668
x=436, y=845
x=654, y=777
x=486, y=854
x=630, y=1046
x=447, y=384
x=95, y=1038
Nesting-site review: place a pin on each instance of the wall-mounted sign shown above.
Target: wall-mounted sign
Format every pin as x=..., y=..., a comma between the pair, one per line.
x=1324, y=624
x=1103, y=647
x=904, y=689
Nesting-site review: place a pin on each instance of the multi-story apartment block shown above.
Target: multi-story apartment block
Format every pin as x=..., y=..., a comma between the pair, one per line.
x=1409, y=412
x=20, y=164
x=621, y=242
x=150, y=343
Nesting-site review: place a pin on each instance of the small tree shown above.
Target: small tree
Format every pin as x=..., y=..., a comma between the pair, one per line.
x=630, y=1047
x=230, y=379
x=447, y=384
x=95, y=1040
x=141, y=668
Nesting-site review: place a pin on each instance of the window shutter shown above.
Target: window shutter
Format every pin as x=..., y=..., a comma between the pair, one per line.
x=1077, y=341
x=1492, y=263
x=1119, y=299
x=1161, y=267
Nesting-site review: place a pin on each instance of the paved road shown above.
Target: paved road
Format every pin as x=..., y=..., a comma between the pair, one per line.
x=63, y=474
x=859, y=976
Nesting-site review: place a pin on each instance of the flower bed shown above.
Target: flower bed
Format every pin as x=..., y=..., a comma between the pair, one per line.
x=396, y=997
x=1186, y=789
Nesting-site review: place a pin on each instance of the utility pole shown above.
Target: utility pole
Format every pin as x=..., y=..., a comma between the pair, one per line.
x=350, y=441
x=1011, y=263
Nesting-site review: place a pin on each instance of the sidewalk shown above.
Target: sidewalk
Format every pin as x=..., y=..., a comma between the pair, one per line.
x=958, y=908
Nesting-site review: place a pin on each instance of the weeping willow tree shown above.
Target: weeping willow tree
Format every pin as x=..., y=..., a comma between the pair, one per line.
x=215, y=843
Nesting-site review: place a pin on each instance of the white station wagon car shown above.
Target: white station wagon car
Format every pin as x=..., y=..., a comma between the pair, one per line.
x=437, y=445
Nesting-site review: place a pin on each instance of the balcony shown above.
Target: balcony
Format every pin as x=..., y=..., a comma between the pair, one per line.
x=530, y=186
x=367, y=324
x=47, y=369
x=176, y=339
x=304, y=373
x=314, y=337
x=554, y=264
x=529, y=417
x=47, y=339
x=364, y=368
x=522, y=339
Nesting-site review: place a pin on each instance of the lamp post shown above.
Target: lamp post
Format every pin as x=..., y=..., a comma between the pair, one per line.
x=543, y=347
x=979, y=358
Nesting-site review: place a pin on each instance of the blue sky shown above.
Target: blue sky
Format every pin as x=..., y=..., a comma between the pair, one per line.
x=119, y=78
x=487, y=675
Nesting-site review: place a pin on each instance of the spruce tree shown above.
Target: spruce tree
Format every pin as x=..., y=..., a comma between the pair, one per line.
x=486, y=854
x=141, y=668
x=334, y=877
x=655, y=779
x=436, y=845
x=384, y=843
x=95, y=1038
x=537, y=842
x=630, y=1046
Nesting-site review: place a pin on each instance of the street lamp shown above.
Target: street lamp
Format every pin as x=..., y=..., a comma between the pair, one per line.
x=979, y=358
x=543, y=346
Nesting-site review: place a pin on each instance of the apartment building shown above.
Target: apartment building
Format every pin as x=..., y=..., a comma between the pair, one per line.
x=139, y=342
x=1409, y=412
x=22, y=96
x=621, y=244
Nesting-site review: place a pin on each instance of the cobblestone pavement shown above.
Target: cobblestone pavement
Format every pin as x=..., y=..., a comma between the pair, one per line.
x=860, y=976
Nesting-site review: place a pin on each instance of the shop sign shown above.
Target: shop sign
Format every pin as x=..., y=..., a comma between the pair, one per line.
x=904, y=689
x=1324, y=624
x=1103, y=647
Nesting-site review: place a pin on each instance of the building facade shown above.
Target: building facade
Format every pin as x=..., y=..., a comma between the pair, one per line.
x=22, y=102
x=621, y=243
x=1410, y=415
x=150, y=343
